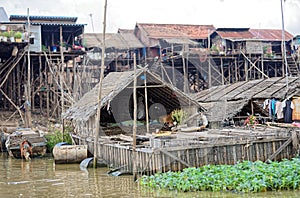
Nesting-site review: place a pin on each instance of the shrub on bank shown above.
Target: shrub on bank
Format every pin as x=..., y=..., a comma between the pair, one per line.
x=56, y=136
x=243, y=177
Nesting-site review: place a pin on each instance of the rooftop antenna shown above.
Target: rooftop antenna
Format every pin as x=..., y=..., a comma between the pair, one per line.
x=284, y=48
x=91, y=15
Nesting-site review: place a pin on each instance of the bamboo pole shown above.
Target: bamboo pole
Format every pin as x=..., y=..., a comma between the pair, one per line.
x=134, y=121
x=62, y=80
x=284, y=49
x=222, y=71
x=100, y=90
x=28, y=94
x=236, y=70
x=209, y=73
x=41, y=82
x=254, y=65
x=173, y=66
x=146, y=102
x=184, y=76
x=18, y=109
x=61, y=72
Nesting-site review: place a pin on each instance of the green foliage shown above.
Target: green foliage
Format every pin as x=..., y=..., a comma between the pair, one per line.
x=11, y=33
x=57, y=136
x=214, y=48
x=18, y=35
x=178, y=115
x=6, y=34
x=243, y=177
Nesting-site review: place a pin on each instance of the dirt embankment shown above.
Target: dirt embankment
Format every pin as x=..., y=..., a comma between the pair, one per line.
x=10, y=121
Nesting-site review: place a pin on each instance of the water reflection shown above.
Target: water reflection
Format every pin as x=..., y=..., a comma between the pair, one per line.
x=42, y=178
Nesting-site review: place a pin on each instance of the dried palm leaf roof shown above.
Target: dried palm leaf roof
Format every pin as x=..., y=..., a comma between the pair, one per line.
x=115, y=82
x=254, y=89
x=226, y=101
x=119, y=41
x=218, y=111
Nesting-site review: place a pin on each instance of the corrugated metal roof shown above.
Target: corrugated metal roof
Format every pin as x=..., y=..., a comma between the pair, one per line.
x=112, y=40
x=270, y=34
x=176, y=30
x=235, y=33
x=42, y=18
x=58, y=24
x=181, y=41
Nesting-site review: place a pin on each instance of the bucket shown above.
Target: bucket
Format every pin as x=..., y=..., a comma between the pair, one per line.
x=54, y=49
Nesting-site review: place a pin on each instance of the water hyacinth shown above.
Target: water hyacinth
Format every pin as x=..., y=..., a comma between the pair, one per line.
x=244, y=176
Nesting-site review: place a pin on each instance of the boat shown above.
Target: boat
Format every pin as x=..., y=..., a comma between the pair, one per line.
x=64, y=153
x=26, y=143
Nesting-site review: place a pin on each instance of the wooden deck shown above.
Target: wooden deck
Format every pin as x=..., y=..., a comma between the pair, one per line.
x=194, y=149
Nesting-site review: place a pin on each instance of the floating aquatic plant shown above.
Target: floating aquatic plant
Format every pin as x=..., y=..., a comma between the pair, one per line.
x=245, y=176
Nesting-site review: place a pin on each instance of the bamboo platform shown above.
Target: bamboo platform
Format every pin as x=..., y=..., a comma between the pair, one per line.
x=195, y=149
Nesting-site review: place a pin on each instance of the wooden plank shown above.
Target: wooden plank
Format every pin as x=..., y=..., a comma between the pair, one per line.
x=257, y=152
x=278, y=151
x=234, y=154
x=174, y=157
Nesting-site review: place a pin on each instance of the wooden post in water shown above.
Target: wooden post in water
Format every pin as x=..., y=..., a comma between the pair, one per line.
x=100, y=90
x=62, y=80
x=146, y=102
x=28, y=94
x=134, y=120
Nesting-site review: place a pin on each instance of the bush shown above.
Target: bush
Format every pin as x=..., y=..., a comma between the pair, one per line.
x=56, y=137
x=6, y=34
x=18, y=35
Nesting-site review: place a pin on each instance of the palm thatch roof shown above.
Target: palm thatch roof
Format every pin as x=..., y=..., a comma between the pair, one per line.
x=116, y=82
x=113, y=41
x=226, y=101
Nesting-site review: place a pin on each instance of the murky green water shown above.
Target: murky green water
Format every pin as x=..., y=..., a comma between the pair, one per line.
x=42, y=178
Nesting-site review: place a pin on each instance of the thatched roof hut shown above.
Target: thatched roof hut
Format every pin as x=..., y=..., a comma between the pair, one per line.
x=236, y=100
x=117, y=100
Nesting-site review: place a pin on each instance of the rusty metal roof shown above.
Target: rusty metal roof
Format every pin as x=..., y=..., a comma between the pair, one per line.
x=270, y=34
x=176, y=30
x=253, y=34
x=235, y=33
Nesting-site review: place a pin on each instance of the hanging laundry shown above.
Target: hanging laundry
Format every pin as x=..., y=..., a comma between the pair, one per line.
x=272, y=108
x=296, y=110
x=288, y=107
x=279, y=110
x=266, y=103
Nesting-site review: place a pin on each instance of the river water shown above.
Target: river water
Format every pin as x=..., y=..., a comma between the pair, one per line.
x=41, y=177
